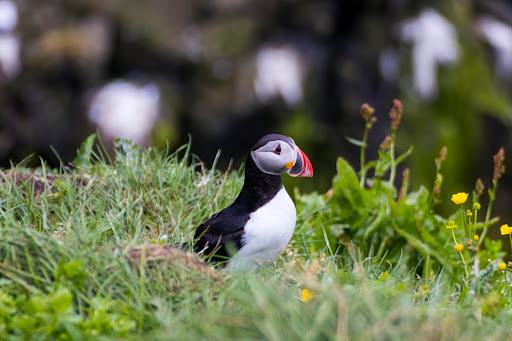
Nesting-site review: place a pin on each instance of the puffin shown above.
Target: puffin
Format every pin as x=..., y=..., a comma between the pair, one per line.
x=259, y=224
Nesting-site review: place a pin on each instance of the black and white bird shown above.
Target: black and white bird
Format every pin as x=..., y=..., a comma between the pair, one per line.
x=259, y=224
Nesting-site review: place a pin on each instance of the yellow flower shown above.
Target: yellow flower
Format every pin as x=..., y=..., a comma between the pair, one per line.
x=425, y=290
x=460, y=198
x=476, y=237
x=459, y=247
x=306, y=295
x=505, y=229
x=451, y=225
x=503, y=266
x=469, y=214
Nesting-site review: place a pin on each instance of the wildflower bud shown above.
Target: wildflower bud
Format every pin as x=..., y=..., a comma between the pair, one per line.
x=451, y=225
x=406, y=174
x=479, y=187
x=459, y=247
x=476, y=206
x=386, y=144
x=425, y=290
x=405, y=184
x=396, y=114
x=442, y=156
x=503, y=266
x=499, y=164
x=469, y=213
x=366, y=111
x=476, y=237
x=438, y=183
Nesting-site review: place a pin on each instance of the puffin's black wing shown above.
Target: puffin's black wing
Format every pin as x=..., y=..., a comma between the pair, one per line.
x=221, y=234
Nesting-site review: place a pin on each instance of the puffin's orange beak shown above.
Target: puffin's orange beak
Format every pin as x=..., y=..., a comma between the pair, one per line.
x=302, y=166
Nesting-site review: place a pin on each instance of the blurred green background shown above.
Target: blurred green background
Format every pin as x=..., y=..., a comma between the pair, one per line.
x=225, y=72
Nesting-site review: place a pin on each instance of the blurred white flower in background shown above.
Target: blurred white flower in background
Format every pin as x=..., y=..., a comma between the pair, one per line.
x=499, y=35
x=279, y=72
x=8, y=15
x=9, y=42
x=435, y=42
x=125, y=110
x=9, y=55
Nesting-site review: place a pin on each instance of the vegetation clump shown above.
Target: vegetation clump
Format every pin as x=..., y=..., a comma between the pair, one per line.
x=86, y=253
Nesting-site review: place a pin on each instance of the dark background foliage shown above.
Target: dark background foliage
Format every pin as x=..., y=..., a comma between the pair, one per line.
x=203, y=58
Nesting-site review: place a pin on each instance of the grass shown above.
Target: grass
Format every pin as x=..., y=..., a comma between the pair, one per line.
x=63, y=276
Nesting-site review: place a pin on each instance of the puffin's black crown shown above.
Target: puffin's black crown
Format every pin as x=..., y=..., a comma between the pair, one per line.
x=272, y=137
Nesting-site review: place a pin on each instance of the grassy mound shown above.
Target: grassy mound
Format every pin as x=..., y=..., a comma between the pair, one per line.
x=81, y=258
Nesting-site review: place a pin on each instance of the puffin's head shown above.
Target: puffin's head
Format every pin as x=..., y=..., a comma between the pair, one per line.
x=277, y=154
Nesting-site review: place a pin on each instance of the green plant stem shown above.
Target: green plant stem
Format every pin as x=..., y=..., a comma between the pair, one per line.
x=461, y=257
x=492, y=195
x=430, y=200
x=142, y=291
x=392, y=156
x=453, y=234
x=464, y=221
x=474, y=221
x=362, y=157
x=506, y=281
x=382, y=246
x=465, y=266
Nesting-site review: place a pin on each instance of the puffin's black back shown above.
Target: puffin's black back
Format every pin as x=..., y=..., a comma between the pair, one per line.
x=227, y=226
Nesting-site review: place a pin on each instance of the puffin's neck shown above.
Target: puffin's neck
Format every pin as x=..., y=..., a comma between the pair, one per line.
x=259, y=187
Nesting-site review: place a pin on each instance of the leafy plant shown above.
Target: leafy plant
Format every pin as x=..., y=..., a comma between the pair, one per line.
x=364, y=216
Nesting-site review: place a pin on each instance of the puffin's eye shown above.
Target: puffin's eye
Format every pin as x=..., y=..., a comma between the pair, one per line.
x=278, y=150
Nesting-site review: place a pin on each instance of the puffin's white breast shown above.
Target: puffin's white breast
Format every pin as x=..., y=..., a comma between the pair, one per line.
x=266, y=234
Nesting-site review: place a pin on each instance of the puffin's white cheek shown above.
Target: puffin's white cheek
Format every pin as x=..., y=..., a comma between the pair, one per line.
x=274, y=164
x=269, y=163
